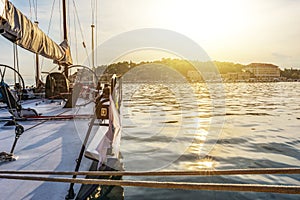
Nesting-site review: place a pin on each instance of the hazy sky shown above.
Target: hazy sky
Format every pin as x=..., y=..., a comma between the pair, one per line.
x=241, y=31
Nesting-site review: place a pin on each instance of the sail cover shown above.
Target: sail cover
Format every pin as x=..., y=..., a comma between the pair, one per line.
x=17, y=28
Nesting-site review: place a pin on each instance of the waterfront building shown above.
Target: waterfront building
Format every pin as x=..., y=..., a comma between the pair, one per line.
x=263, y=71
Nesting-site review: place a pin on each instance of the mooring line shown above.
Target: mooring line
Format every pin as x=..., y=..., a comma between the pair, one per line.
x=286, y=189
x=255, y=171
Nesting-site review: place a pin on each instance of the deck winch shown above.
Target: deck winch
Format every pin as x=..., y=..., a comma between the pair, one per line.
x=102, y=103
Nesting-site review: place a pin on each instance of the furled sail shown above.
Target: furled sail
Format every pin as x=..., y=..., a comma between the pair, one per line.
x=17, y=28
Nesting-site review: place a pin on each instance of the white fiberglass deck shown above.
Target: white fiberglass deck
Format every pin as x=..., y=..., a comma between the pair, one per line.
x=53, y=145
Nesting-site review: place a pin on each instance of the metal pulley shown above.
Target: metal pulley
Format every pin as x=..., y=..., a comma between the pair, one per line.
x=19, y=130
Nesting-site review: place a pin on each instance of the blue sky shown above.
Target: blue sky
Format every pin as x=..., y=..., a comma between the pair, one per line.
x=242, y=31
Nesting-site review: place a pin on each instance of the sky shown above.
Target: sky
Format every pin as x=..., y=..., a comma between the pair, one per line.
x=240, y=31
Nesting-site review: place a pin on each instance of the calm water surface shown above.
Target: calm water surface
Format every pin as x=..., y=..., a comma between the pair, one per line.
x=192, y=127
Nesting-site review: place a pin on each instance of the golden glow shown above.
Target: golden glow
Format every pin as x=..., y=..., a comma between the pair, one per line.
x=206, y=164
x=202, y=164
x=207, y=19
x=147, y=54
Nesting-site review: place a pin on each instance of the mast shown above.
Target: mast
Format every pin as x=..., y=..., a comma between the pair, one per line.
x=37, y=66
x=94, y=6
x=93, y=51
x=65, y=30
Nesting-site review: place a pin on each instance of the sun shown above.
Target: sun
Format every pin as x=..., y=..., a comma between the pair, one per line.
x=206, y=163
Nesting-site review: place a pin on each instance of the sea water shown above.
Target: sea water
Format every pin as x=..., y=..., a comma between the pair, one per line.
x=176, y=126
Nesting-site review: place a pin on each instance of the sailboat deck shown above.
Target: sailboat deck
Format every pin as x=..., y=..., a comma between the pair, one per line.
x=51, y=145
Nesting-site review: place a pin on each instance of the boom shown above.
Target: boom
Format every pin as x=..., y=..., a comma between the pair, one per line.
x=17, y=28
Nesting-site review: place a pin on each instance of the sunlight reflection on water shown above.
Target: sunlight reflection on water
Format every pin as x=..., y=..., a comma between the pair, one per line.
x=260, y=131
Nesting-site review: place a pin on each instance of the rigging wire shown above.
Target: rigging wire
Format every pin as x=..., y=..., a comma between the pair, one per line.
x=69, y=24
x=96, y=30
x=82, y=36
x=35, y=5
x=35, y=8
x=93, y=3
x=60, y=21
x=14, y=54
x=30, y=10
x=76, y=39
x=17, y=62
x=51, y=16
x=49, y=26
x=30, y=16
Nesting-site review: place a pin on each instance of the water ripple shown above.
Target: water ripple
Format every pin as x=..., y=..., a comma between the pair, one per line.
x=261, y=130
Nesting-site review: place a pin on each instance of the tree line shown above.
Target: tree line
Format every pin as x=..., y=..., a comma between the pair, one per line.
x=184, y=66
